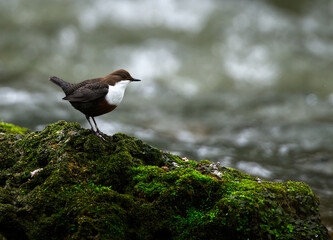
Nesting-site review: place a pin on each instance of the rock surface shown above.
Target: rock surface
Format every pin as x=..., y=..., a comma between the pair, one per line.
x=65, y=183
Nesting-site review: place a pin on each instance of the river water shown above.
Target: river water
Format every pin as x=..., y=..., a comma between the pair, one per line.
x=248, y=84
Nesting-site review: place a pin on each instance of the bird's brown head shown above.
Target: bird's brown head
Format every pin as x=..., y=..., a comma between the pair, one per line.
x=119, y=75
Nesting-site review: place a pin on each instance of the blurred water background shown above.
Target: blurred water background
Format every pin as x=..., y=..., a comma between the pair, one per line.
x=248, y=84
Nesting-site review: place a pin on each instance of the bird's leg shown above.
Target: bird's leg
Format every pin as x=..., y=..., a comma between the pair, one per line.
x=92, y=128
x=98, y=133
x=97, y=129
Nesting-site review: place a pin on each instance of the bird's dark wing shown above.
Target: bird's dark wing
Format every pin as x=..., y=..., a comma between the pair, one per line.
x=87, y=92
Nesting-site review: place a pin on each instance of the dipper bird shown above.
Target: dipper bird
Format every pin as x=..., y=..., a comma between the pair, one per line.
x=95, y=97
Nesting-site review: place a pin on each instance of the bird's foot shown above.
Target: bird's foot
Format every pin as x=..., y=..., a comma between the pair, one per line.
x=101, y=135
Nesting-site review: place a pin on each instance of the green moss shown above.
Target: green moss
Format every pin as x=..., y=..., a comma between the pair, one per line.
x=9, y=134
x=205, y=162
x=12, y=129
x=126, y=189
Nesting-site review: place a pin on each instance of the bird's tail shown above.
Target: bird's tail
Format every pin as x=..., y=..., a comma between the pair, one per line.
x=61, y=83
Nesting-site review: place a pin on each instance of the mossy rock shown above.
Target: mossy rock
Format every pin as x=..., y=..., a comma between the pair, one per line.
x=65, y=183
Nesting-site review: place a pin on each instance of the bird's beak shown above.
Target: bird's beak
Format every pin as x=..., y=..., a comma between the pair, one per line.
x=135, y=80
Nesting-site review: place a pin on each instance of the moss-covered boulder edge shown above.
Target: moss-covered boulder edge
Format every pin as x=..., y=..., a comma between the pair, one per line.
x=65, y=183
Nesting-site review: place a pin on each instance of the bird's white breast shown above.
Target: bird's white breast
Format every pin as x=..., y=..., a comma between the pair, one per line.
x=116, y=93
